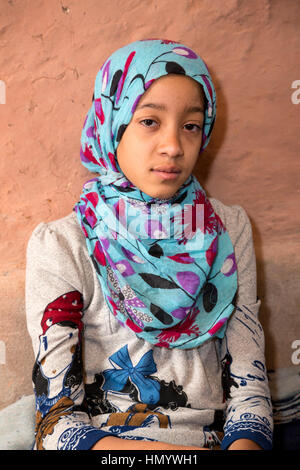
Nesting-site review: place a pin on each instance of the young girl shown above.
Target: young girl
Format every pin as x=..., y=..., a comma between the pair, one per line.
x=142, y=303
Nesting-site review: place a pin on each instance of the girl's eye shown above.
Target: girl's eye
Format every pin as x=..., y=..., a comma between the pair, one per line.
x=147, y=122
x=193, y=127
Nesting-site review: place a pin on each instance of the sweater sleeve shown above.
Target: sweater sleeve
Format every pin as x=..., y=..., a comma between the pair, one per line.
x=244, y=378
x=55, y=311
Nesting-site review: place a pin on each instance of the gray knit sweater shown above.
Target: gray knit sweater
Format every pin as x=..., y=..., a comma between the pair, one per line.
x=92, y=377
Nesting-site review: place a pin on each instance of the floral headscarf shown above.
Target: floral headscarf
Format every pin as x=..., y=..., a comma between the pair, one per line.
x=172, y=284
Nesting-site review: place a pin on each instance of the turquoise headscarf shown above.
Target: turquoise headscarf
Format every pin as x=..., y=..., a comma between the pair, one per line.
x=172, y=284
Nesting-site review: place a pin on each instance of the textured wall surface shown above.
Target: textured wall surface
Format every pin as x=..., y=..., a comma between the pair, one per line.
x=50, y=52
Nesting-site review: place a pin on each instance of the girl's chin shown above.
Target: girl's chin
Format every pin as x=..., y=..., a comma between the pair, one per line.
x=161, y=194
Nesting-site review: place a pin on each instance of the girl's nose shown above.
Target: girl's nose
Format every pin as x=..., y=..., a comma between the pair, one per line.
x=170, y=143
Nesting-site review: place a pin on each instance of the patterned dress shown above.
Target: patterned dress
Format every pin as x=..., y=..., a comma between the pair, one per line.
x=92, y=377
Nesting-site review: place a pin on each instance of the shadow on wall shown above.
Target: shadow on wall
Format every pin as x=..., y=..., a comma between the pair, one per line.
x=265, y=311
x=280, y=298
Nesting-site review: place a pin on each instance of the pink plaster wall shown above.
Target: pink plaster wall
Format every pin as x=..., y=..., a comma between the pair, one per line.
x=50, y=52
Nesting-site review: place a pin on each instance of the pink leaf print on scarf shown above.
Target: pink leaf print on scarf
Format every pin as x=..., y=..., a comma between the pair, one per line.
x=187, y=327
x=121, y=82
x=182, y=258
x=211, y=221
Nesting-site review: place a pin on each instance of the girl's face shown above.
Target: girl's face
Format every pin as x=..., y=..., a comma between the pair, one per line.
x=165, y=133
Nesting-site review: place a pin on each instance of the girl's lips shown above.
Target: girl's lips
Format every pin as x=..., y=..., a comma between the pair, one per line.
x=166, y=175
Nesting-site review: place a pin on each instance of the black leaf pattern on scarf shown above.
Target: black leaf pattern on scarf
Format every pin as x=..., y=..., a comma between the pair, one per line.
x=161, y=315
x=124, y=190
x=156, y=250
x=173, y=67
x=149, y=329
x=121, y=131
x=211, y=128
x=96, y=265
x=115, y=82
x=181, y=198
x=157, y=281
x=210, y=296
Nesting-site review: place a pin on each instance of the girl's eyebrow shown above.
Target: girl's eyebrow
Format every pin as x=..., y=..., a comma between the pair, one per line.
x=162, y=107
